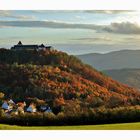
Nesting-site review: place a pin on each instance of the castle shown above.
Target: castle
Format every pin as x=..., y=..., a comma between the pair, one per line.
x=20, y=46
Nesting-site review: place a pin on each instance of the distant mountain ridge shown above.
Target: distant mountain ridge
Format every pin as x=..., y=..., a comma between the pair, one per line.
x=113, y=60
x=130, y=77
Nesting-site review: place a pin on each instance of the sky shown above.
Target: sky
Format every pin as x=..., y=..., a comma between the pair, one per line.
x=75, y=32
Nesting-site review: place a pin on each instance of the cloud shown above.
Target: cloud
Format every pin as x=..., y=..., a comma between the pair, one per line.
x=116, y=28
x=86, y=11
x=56, y=11
x=48, y=24
x=80, y=17
x=123, y=28
x=109, y=11
x=132, y=39
x=90, y=39
x=4, y=13
x=8, y=14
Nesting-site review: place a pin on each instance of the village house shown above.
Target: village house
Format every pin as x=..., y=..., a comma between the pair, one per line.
x=20, y=108
x=43, y=108
x=9, y=106
x=5, y=105
x=20, y=46
x=11, y=102
x=48, y=110
x=31, y=108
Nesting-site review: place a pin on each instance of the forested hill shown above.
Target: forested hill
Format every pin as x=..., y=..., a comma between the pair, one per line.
x=61, y=80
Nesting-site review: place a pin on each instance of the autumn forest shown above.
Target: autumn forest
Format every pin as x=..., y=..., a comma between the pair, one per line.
x=75, y=92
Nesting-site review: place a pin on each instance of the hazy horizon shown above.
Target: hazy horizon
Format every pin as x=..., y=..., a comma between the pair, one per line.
x=73, y=49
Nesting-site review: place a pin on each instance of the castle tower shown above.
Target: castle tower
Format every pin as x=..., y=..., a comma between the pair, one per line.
x=19, y=43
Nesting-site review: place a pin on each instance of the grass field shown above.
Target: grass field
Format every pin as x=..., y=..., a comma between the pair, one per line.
x=123, y=126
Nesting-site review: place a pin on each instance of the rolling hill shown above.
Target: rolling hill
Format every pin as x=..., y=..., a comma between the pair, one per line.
x=113, y=60
x=130, y=77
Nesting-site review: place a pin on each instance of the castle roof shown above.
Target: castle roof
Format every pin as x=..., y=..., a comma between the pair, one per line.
x=20, y=46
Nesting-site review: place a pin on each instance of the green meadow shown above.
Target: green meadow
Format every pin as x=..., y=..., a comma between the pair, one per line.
x=122, y=126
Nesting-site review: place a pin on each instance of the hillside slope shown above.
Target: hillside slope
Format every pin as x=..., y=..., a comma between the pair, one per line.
x=60, y=79
x=130, y=77
x=113, y=60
